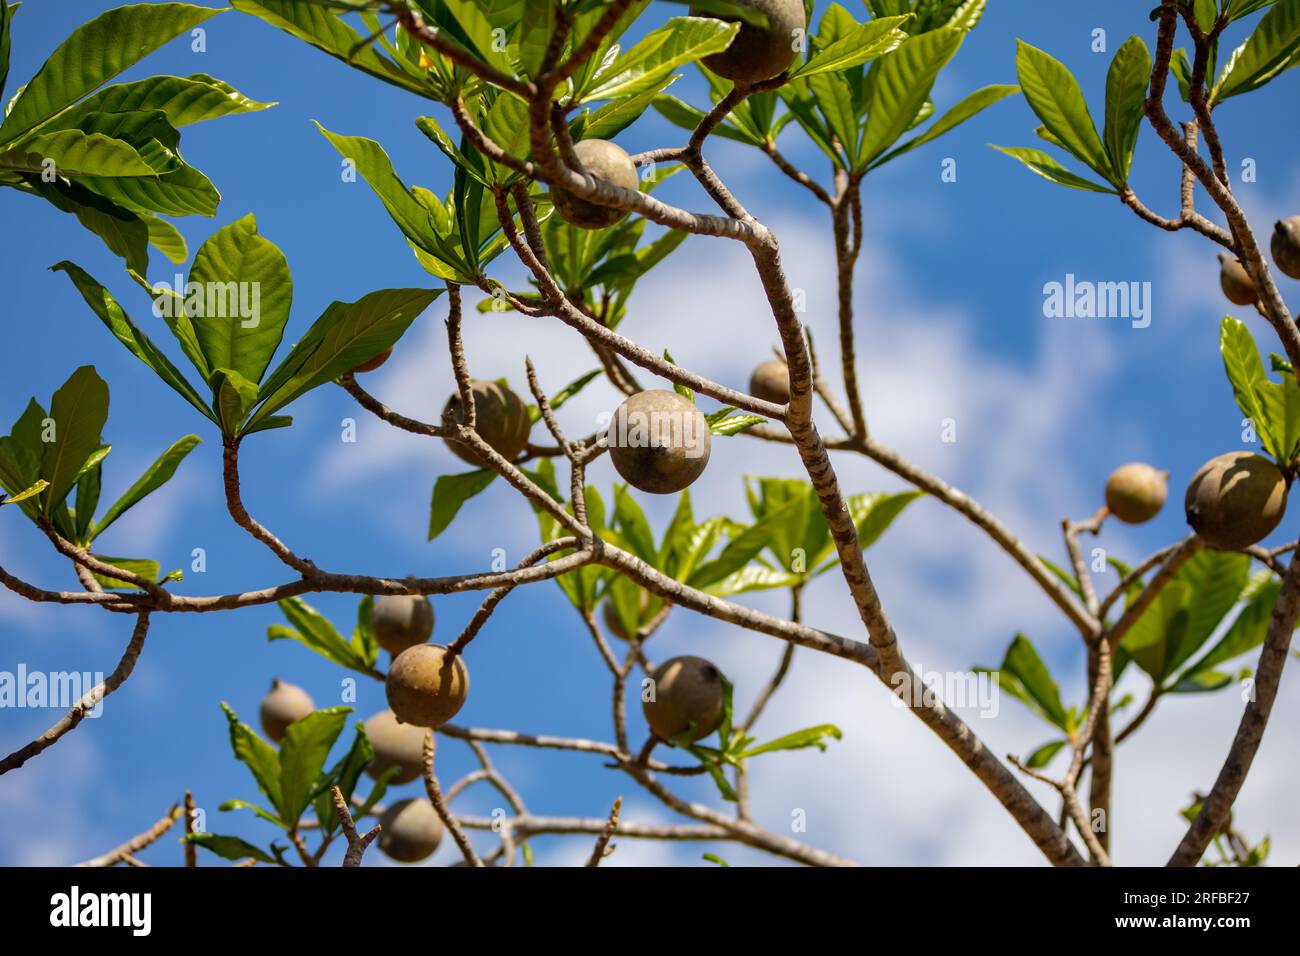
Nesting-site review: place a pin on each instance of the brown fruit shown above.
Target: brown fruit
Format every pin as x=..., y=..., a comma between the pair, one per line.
x=607, y=162
x=375, y=362
x=758, y=53
x=424, y=688
x=688, y=691
x=1285, y=246
x=410, y=830
x=1135, y=492
x=771, y=382
x=396, y=745
x=659, y=441
x=614, y=623
x=1236, y=500
x=500, y=417
x=1236, y=282
x=401, y=621
x=283, y=704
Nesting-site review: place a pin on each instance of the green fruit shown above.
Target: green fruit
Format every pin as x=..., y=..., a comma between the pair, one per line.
x=1286, y=246
x=614, y=623
x=688, y=692
x=500, y=418
x=401, y=621
x=424, y=687
x=659, y=441
x=760, y=53
x=1135, y=492
x=283, y=704
x=375, y=362
x=1236, y=500
x=410, y=830
x=771, y=382
x=1236, y=282
x=396, y=745
x=608, y=163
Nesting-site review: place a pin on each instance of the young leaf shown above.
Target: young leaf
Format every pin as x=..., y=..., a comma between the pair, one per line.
x=26, y=493
x=79, y=410
x=1050, y=169
x=1054, y=95
x=139, y=566
x=1270, y=50
x=1043, y=755
x=648, y=63
x=229, y=847
x=306, y=745
x=155, y=476
x=866, y=42
x=450, y=492
x=314, y=630
x=900, y=85
x=950, y=120
x=1024, y=675
x=799, y=740
x=255, y=753
x=1126, y=90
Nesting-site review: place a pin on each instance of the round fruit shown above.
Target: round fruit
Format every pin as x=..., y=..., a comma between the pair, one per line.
x=614, y=623
x=283, y=704
x=659, y=441
x=500, y=418
x=410, y=831
x=771, y=382
x=396, y=745
x=688, y=693
x=1236, y=282
x=759, y=53
x=608, y=163
x=1236, y=500
x=1286, y=246
x=375, y=362
x=401, y=621
x=424, y=687
x=1135, y=492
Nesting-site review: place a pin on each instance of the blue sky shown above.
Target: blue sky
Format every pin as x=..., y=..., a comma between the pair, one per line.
x=951, y=325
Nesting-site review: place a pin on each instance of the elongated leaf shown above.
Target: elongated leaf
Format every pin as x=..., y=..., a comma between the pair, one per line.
x=182, y=192
x=155, y=476
x=141, y=567
x=255, y=753
x=950, y=120
x=95, y=53
x=1245, y=372
x=79, y=410
x=1054, y=95
x=87, y=498
x=6, y=12
x=1050, y=169
x=303, y=752
x=799, y=740
x=182, y=99
x=1271, y=49
x=1215, y=580
x=25, y=494
x=646, y=65
x=1246, y=632
x=1126, y=90
x=314, y=630
x=229, y=847
x=450, y=492
x=124, y=233
x=74, y=153
x=688, y=117
x=1043, y=755
x=900, y=85
x=834, y=99
x=1026, y=677
x=247, y=292
x=866, y=42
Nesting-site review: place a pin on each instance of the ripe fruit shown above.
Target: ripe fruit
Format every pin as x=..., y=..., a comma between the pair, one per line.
x=608, y=163
x=500, y=417
x=374, y=363
x=771, y=382
x=424, y=688
x=659, y=441
x=410, y=831
x=283, y=704
x=688, y=691
x=1136, y=492
x=1286, y=246
x=401, y=621
x=1235, y=281
x=1236, y=500
x=396, y=744
x=758, y=53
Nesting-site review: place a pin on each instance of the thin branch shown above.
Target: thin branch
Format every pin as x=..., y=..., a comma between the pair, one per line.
x=434, y=791
x=602, y=848
x=136, y=843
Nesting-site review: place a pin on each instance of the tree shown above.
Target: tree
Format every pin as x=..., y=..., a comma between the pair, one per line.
x=532, y=91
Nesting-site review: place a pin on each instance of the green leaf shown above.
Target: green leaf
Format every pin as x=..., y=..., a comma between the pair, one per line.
x=74, y=153
x=1126, y=90
x=245, y=805
x=1050, y=169
x=1272, y=407
x=79, y=410
x=688, y=118
x=119, y=323
x=1054, y=95
x=182, y=99
x=646, y=65
x=1026, y=677
x=744, y=547
x=834, y=99
x=256, y=754
x=228, y=847
x=900, y=85
x=1214, y=581
x=240, y=272
x=799, y=740
x=1246, y=632
x=866, y=42
x=314, y=630
x=141, y=567
x=1270, y=50
x=631, y=522
x=1043, y=755
x=950, y=120
x=6, y=12
x=450, y=492
x=26, y=493
x=233, y=397
x=343, y=775
x=306, y=746
x=726, y=422
x=155, y=476
x=95, y=53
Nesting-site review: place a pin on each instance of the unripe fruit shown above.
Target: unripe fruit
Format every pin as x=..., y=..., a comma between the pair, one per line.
x=614, y=623
x=659, y=441
x=758, y=53
x=375, y=362
x=1236, y=282
x=396, y=745
x=1286, y=246
x=410, y=830
x=1135, y=492
x=688, y=691
x=500, y=418
x=1236, y=500
x=771, y=382
x=401, y=621
x=283, y=704
x=424, y=687
x=607, y=162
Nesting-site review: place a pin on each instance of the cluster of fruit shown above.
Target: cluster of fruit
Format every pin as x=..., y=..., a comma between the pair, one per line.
x=1236, y=282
